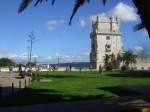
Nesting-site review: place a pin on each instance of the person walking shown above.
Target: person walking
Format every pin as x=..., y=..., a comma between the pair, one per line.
x=20, y=71
x=0, y=67
x=10, y=72
x=70, y=67
x=90, y=67
x=100, y=69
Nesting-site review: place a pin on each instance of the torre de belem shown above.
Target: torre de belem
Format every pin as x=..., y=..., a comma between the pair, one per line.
x=106, y=38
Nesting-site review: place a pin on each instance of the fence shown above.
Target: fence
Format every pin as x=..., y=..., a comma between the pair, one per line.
x=9, y=88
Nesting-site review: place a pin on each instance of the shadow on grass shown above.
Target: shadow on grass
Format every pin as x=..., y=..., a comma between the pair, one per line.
x=120, y=91
x=60, y=76
x=66, y=76
x=136, y=74
x=41, y=96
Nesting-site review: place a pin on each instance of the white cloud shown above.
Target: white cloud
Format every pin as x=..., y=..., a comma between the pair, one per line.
x=142, y=51
x=67, y=57
x=123, y=11
x=82, y=56
x=138, y=48
x=85, y=53
x=4, y=51
x=57, y=54
x=52, y=24
x=83, y=22
x=102, y=15
x=145, y=33
x=18, y=57
x=48, y=58
x=86, y=21
x=12, y=56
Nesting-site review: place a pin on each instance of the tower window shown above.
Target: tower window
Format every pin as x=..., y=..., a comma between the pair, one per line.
x=108, y=48
x=108, y=38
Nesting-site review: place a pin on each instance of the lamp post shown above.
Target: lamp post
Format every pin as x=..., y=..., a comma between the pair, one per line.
x=31, y=40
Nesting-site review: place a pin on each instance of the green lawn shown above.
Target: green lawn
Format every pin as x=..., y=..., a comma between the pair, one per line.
x=69, y=86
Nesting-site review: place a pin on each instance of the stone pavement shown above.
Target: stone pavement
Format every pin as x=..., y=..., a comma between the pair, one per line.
x=125, y=104
x=143, y=89
x=7, y=82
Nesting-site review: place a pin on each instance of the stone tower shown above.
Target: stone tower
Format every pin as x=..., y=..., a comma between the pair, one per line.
x=106, y=38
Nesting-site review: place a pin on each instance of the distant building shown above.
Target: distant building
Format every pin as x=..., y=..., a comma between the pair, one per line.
x=106, y=38
x=141, y=64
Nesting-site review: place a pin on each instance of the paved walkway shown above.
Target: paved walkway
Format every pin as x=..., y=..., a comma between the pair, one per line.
x=7, y=82
x=126, y=104
x=143, y=89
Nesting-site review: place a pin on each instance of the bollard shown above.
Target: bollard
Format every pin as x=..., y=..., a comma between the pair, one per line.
x=0, y=92
x=20, y=85
x=80, y=69
x=29, y=80
x=12, y=89
x=25, y=83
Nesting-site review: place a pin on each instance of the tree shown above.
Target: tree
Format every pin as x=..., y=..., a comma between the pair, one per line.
x=118, y=61
x=5, y=62
x=112, y=62
x=32, y=64
x=143, y=53
x=108, y=62
x=128, y=58
x=143, y=7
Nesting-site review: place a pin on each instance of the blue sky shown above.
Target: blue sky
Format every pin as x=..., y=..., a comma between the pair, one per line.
x=54, y=37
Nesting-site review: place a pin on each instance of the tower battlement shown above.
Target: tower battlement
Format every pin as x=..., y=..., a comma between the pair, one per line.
x=105, y=24
x=100, y=19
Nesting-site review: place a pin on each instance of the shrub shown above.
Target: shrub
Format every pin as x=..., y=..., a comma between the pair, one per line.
x=124, y=68
x=108, y=67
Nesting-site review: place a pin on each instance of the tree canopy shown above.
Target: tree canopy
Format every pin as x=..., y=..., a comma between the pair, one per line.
x=143, y=7
x=129, y=58
x=5, y=62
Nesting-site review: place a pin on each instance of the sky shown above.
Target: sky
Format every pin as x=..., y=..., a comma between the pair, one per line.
x=54, y=37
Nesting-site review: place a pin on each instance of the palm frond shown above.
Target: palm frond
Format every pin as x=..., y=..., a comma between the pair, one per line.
x=53, y=2
x=139, y=27
x=143, y=11
x=38, y=2
x=23, y=5
x=78, y=4
x=104, y=2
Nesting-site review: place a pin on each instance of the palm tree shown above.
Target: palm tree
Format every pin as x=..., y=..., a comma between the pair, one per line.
x=143, y=7
x=109, y=61
x=106, y=59
x=112, y=61
x=128, y=58
x=116, y=60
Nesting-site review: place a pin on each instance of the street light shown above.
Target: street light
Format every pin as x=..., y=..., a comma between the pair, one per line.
x=31, y=41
